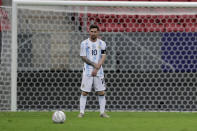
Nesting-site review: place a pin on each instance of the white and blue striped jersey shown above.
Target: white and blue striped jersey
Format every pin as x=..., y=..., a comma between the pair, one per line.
x=92, y=50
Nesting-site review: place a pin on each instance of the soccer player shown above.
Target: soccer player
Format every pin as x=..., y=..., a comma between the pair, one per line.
x=93, y=54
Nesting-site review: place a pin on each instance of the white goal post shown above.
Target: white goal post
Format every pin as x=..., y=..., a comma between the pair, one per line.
x=18, y=3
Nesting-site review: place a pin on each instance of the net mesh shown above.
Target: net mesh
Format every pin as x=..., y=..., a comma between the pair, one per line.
x=5, y=58
x=151, y=58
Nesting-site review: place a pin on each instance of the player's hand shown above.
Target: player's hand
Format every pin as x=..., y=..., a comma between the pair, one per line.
x=94, y=72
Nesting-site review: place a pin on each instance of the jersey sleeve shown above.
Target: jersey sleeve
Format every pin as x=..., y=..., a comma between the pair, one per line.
x=103, y=47
x=82, y=49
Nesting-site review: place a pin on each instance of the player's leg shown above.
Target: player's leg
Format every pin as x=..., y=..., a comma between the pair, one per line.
x=99, y=86
x=83, y=100
x=102, y=101
x=86, y=87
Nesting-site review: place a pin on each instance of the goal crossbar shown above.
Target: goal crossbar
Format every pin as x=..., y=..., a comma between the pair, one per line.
x=106, y=3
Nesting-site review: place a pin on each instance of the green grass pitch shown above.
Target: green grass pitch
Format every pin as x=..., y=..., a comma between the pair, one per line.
x=119, y=121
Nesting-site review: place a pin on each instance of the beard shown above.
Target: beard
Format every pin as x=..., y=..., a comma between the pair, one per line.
x=93, y=37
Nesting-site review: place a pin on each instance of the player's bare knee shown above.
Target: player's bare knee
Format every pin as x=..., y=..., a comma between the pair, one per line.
x=84, y=93
x=101, y=93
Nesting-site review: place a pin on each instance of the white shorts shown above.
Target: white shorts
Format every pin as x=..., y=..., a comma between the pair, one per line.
x=88, y=82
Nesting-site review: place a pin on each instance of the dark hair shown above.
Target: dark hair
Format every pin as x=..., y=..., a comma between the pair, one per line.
x=94, y=26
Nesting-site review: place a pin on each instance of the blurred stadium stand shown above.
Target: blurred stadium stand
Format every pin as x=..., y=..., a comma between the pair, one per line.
x=143, y=23
x=6, y=2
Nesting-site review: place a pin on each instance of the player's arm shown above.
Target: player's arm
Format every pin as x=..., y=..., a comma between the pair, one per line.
x=98, y=66
x=83, y=55
x=87, y=61
x=102, y=60
x=100, y=63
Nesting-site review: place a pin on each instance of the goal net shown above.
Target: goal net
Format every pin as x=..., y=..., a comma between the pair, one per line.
x=151, y=59
x=5, y=58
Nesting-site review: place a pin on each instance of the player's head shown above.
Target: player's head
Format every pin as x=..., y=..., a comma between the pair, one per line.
x=94, y=31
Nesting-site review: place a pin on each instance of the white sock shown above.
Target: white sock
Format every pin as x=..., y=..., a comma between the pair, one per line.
x=102, y=102
x=82, y=103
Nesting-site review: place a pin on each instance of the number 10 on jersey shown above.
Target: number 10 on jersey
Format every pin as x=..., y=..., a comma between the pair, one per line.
x=94, y=52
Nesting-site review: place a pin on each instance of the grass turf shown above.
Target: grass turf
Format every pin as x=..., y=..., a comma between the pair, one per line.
x=119, y=121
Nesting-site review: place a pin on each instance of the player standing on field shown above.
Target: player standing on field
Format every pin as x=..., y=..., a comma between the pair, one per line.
x=93, y=54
